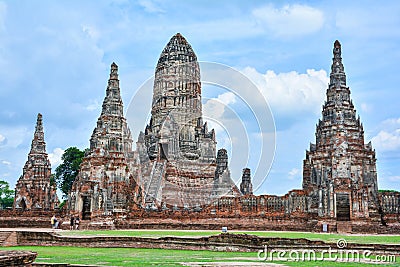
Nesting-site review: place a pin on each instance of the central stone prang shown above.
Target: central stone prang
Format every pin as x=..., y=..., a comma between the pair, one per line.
x=177, y=150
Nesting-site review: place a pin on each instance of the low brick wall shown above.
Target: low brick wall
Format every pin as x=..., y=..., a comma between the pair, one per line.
x=12, y=219
x=250, y=224
x=17, y=258
x=222, y=242
x=31, y=219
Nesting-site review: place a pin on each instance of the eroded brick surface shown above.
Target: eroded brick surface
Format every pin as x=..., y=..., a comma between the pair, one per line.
x=176, y=178
x=177, y=151
x=107, y=181
x=33, y=190
x=339, y=171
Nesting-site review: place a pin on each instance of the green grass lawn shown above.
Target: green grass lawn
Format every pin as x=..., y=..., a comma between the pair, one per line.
x=166, y=257
x=362, y=239
x=153, y=257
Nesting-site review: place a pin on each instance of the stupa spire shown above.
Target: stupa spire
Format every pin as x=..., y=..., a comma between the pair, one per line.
x=114, y=71
x=112, y=104
x=177, y=96
x=339, y=170
x=338, y=76
x=34, y=189
x=38, y=144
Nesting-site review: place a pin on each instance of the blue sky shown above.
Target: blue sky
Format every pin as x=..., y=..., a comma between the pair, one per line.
x=55, y=58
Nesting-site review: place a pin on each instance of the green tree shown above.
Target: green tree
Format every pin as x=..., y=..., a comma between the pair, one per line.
x=67, y=171
x=6, y=195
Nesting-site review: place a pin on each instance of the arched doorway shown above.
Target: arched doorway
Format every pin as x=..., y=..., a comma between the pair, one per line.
x=342, y=207
x=22, y=204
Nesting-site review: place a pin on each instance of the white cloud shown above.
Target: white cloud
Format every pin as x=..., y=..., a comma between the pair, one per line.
x=215, y=107
x=55, y=157
x=227, y=98
x=366, y=107
x=394, y=178
x=91, y=31
x=393, y=122
x=150, y=6
x=293, y=173
x=16, y=136
x=93, y=105
x=2, y=139
x=291, y=92
x=290, y=20
x=213, y=112
x=388, y=139
x=5, y=162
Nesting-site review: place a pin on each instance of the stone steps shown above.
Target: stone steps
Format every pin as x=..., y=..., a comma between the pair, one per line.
x=155, y=182
x=344, y=227
x=8, y=239
x=3, y=237
x=17, y=258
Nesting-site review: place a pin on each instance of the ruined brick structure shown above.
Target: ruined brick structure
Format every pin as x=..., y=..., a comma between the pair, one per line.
x=107, y=179
x=177, y=152
x=223, y=184
x=246, y=187
x=293, y=203
x=177, y=173
x=34, y=190
x=390, y=203
x=339, y=171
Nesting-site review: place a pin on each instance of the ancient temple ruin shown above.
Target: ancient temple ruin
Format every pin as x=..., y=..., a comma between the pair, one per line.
x=176, y=170
x=339, y=171
x=177, y=151
x=246, y=187
x=35, y=190
x=107, y=181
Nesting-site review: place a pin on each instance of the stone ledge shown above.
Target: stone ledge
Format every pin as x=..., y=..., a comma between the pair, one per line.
x=17, y=258
x=221, y=242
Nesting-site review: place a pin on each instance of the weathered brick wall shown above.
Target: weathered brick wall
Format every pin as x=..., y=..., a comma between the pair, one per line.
x=222, y=242
x=193, y=221
x=17, y=258
x=390, y=203
x=239, y=223
x=32, y=219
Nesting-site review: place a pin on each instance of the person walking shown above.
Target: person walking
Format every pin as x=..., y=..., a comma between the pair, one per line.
x=77, y=223
x=54, y=222
x=72, y=223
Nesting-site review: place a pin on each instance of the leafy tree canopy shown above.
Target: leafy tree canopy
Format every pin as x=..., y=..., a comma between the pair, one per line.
x=6, y=195
x=67, y=171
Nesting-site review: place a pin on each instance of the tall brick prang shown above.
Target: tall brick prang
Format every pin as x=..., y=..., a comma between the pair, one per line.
x=34, y=189
x=177, y=150
x=339, y=171
x=106, y=182
x=246, y=187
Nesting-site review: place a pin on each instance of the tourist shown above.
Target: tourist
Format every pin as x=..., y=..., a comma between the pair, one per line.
x=54, y=222
x=71, y=223
x=77, y=223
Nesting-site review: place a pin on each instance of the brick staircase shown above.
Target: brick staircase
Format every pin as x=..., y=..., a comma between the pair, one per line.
x=8, y=239
x=153, y=190
x=344, y=227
